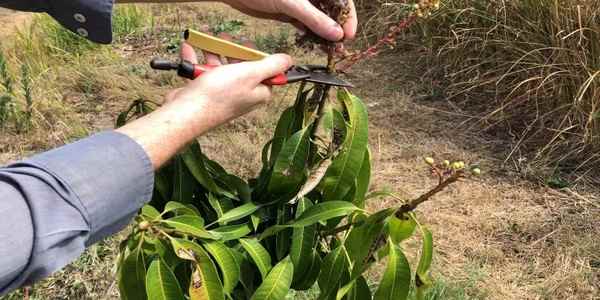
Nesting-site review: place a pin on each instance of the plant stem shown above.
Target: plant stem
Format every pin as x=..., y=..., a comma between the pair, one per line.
x=413, y=204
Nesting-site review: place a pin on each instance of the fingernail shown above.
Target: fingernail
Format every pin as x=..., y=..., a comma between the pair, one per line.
x=338, y=32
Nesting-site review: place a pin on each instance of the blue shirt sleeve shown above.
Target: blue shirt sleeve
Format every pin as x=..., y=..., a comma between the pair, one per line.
x=55, y=204
x=89, y=18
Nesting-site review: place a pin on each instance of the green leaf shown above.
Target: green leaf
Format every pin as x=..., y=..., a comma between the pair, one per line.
x=362, y=181
x=162, y=186
x=231, y=232
x=161, y=283
x=332, y=270
x=255, y=219
x=362, y=238
x=259, y=255
x=205, y=283
x=184, y=184
x=281, y=133
x=238, y=213
x=194, y=160
x=317, y=213
x=395, y=283
x=400, y=229
x=311, y=275
x=422, y=276
x=283, y=239
x=221, y=206
x=303, y=241
x=192, y=225
x=360, y=290
x=289, y=170
x=150, y=213
x=180, y=208
x=278, y=281
x=344, y=170
x=132, y=276
x=230, y=269
x=324, y=212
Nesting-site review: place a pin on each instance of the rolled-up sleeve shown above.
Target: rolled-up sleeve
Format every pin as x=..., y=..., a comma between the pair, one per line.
x=57, y=203
x=89, y=18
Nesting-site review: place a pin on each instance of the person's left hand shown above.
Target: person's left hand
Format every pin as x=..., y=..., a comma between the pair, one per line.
x=302, y=11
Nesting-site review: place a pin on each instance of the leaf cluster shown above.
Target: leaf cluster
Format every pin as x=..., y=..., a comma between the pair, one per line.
x=209, y=234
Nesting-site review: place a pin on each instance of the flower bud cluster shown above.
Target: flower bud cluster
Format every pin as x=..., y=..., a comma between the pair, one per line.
x=424, y=7
x=446, y=167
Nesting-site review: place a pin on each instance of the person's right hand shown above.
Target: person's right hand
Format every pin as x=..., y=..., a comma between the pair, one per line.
x=231, y=90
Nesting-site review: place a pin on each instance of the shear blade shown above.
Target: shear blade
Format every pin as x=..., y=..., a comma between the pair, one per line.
x=328, y=79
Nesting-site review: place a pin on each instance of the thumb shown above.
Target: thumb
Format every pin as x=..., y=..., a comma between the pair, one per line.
x=270, y=66
x=313, y=18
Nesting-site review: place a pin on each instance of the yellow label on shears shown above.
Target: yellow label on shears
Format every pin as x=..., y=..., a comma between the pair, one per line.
x=220, y=46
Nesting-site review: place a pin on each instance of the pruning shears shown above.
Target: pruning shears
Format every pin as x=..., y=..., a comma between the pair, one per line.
x=311, y=73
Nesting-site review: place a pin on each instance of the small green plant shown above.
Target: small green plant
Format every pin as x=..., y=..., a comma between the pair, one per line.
x=27, y=94
x=6, y=99
x=129, y=20
x=60, y=41
x=274, y=42
x=227, y=26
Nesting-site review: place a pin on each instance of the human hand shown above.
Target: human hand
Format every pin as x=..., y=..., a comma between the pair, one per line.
x=228, y=91
x=214, y=98
x=302, y=11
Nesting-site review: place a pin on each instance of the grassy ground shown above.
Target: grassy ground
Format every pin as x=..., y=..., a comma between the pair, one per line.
x=499, y=237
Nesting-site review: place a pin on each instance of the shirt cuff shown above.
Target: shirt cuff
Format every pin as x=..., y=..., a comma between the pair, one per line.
x=90, y=19
x=109, y=173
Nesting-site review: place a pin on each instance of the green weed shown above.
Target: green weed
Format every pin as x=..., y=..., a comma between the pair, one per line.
x=220, y=25
x=129, y=20
x=274, y=42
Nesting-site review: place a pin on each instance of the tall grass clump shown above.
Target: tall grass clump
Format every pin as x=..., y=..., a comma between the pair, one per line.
x=530, y=69
x=129, y=20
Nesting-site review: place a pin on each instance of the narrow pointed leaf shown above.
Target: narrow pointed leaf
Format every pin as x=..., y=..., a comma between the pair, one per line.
x=360, y=291
x=231, y=232
x=179, y=208
x=183, y=183
x=161, y=283
x=332, y=270
x=205, y=283
x=259, y=255
x=289, y=168
x=238, y=213
x=221, y=206
x=281, y=133
x=303, y=241
x=277, y=284
x=132, y=276
x=192, y=225
x=395, y=283
x=194, y=160
x=344, y=170
x=362, y=181
x=311, y=275
x=324, y=212
x=422, y=276
x=230, y=269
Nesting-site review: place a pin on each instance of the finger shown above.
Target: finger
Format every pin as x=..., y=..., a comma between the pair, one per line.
x=187, y=53
x=262, y=92
x=351, y=23
x=268, y=67
x=313, y=18
x=212, y=58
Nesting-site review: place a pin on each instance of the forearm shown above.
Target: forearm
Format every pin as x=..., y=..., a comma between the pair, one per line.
x=168, y=129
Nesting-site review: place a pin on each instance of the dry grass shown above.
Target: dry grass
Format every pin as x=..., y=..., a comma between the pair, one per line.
x=496, y=238
x=528, y=70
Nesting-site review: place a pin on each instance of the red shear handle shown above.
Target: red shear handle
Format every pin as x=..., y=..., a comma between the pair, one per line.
x=280, y=79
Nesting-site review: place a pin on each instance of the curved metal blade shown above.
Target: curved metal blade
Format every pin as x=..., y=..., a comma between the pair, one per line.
x=328, y=79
